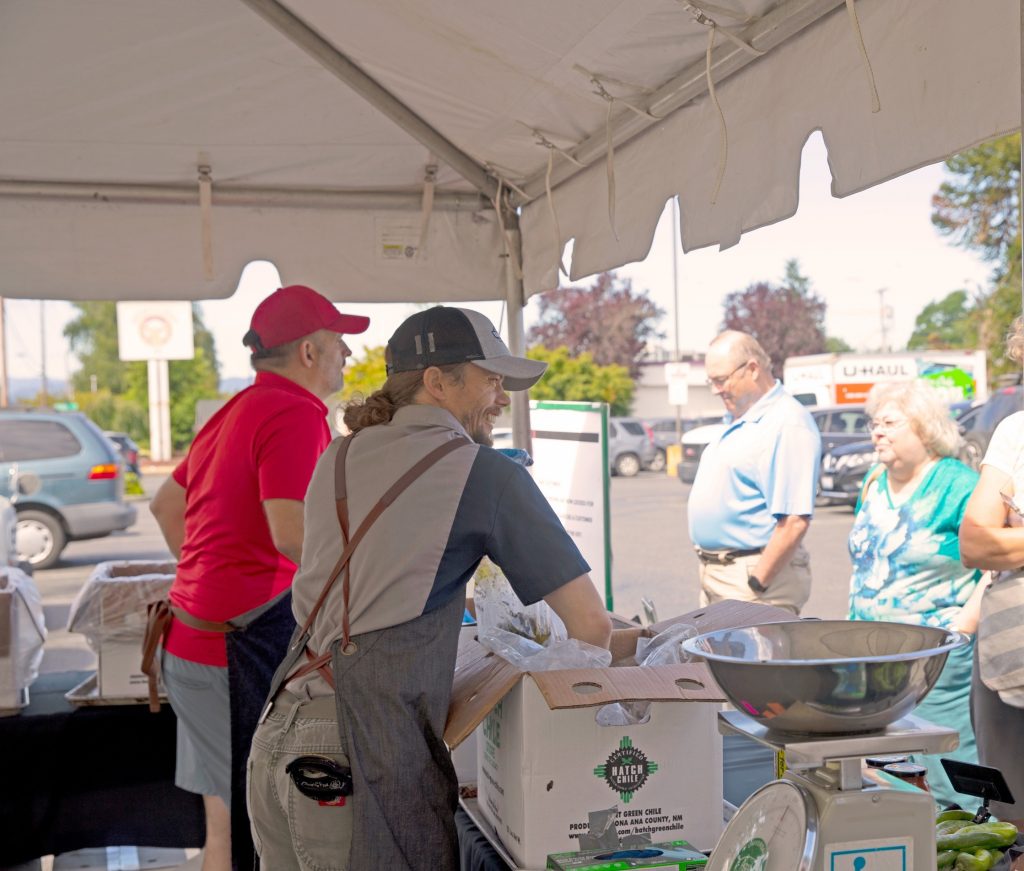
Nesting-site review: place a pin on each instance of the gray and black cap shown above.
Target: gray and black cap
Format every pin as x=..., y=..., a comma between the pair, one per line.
x=443, y=335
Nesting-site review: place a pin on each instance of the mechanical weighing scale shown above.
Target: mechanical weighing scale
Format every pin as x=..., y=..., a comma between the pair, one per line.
x=829, y=694
x=822, y=815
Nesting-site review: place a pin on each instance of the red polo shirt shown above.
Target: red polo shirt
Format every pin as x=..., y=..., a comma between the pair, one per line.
x=262, y=445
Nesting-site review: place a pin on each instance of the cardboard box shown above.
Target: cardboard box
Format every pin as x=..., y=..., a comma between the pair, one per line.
x=110, y=611
x=672, y=854
x=544, y=762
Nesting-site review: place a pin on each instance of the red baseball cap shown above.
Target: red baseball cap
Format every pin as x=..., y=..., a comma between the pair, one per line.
x=292, y=312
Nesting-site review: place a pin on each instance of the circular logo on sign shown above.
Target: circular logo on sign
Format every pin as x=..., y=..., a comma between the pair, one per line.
x=155, y=330
x=753, y=856
x=627, y=769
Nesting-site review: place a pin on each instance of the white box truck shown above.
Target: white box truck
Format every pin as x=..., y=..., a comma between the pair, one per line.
x=845, y=379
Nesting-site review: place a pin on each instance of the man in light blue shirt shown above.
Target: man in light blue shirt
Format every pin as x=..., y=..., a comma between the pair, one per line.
x=753, y=497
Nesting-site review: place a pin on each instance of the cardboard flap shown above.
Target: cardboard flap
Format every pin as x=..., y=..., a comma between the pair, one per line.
x=729, y=614
x=590, y=687
x=481, y=680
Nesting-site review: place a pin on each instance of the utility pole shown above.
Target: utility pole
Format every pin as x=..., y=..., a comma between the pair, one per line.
x=4, y=386
x=883, y=317
x=675, y=303
x=44, y=390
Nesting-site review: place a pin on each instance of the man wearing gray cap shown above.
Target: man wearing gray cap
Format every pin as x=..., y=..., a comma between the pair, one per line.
x=348, y=768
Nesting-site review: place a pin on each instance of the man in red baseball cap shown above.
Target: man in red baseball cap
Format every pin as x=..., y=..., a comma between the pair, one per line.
x=232, y=513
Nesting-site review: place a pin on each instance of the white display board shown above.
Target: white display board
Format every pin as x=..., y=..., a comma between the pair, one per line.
x=155, y=330
x=570, y=453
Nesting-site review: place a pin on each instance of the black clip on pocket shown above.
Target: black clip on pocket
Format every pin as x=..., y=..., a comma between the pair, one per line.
x=320, y=778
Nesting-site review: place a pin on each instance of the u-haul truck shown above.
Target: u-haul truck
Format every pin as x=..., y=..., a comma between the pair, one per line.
x=845, y=379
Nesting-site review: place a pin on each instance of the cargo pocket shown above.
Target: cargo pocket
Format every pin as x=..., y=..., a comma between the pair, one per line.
x=252, y=806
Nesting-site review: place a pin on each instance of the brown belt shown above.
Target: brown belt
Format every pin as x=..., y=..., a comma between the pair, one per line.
x=160, y=615
x=725, y=557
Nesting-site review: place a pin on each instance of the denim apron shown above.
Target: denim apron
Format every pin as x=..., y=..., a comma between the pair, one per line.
x=255, y=647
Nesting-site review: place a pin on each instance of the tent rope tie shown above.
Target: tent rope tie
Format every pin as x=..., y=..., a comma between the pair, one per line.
x=427, y=205
x=206, y=219
x=876, y=105
x=701, y=16
x=545, y=140
x=499, y=202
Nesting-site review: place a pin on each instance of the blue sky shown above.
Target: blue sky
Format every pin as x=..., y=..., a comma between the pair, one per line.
x=880, y=238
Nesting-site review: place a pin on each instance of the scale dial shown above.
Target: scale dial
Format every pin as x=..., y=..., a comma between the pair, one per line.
x=776, y=829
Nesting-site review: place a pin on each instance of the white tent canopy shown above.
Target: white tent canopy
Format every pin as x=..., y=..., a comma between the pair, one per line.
x=151, y=148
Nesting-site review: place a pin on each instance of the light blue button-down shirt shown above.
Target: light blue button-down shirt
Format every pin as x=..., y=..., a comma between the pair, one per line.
x=764, y=466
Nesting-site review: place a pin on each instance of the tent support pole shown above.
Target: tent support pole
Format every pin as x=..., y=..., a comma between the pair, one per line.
x=311, y=42
x=515, y=302
x=1020, y=175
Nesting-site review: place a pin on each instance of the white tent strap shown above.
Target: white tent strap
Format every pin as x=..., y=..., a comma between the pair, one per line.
x=876, y=105
x=427, y=205
x=206, y=219
x=510, y=249
x=723, y=140
x=554, y=214
x=547, y=141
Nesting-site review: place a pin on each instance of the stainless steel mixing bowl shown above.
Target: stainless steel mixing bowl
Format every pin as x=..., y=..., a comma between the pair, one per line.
x=823, y=677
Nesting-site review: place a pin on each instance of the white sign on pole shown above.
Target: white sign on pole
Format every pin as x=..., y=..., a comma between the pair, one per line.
x=571, y=469
x=677, y=377
x=155, y=330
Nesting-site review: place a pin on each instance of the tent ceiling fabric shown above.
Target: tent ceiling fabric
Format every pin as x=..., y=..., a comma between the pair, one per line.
x=140, y=93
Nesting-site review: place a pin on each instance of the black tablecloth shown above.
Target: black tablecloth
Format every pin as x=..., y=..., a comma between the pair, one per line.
x=475, y=851
x=99, y=776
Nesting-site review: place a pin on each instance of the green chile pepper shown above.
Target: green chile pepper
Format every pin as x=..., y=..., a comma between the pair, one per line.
x=945, y=859
x=972, y=862
x=950, y=826
x=954, y=814
x=971, y=837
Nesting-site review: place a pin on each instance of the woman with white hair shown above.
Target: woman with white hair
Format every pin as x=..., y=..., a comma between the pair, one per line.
x=905, y=549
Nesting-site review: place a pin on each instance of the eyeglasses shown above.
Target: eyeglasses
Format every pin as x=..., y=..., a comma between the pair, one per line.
x=720, y=382
x=886, y=426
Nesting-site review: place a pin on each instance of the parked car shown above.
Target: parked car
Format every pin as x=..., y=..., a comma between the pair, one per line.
x=630, y=446
x=843, y=469
x=128, y=449
x=694, y=443
x=840, y=425
x=664, y=431
x=65, y=480
x=979, y=422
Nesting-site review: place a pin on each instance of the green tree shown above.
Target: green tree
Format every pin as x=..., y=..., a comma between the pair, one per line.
x=365, y=375
x=978, y=207
x=836, y=345
x=946, y=323
x=121, y=398
x=608, y=320
x=579, y=379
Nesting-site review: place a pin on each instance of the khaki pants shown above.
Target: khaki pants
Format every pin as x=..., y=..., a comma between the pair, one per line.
x=291, y=831
x=789, y=589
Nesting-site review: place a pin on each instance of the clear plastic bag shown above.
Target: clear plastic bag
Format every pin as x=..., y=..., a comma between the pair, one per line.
x=28, y=624
x=665, y=648
x=531, y=656
x=112, y=604
x=498, y=607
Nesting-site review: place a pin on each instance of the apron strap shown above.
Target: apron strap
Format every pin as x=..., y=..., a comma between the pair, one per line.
x=341, y=503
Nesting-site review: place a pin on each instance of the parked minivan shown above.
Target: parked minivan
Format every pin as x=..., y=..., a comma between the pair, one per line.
x=65, y=480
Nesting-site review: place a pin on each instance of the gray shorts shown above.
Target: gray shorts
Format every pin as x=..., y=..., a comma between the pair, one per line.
x=199, y=697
